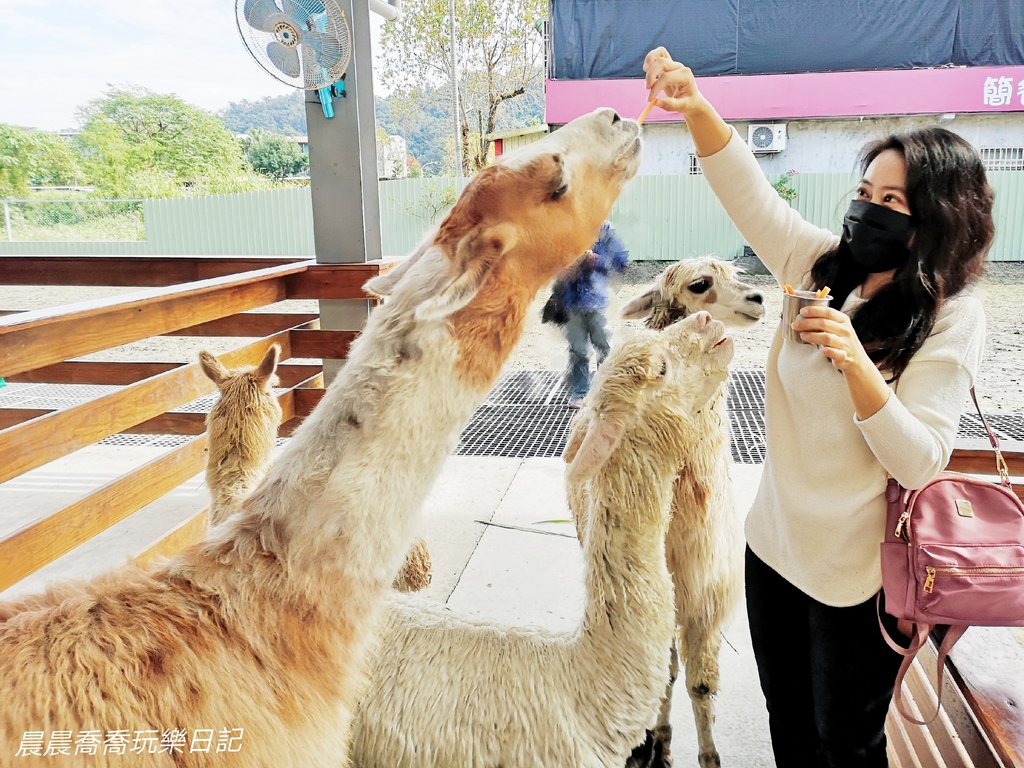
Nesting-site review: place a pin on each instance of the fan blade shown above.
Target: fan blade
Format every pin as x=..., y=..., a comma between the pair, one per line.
x=259, y=14
x=284, y=58
x=325, y=49
x=301, y=10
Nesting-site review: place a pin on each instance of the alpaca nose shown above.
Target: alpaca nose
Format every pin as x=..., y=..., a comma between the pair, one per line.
x=756, y=296
x=702, y=319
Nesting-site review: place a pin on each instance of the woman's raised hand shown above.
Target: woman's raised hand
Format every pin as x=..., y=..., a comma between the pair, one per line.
x=671, y=83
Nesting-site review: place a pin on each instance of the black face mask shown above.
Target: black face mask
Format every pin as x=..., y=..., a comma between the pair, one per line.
x=877, y=237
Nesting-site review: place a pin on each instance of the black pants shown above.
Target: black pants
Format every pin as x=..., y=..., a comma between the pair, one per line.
x=826, y=673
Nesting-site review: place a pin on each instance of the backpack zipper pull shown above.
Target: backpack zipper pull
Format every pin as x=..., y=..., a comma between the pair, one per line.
x=900, y=523
x=929, y=582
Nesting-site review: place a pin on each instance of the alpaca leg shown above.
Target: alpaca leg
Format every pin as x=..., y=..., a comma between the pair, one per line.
x=702, y=684
x=656, y=751
x=415, y=573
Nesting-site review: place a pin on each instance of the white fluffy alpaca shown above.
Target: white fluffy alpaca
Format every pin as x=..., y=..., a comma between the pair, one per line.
x=236, y=632
x=451, y=691
x=704, y=545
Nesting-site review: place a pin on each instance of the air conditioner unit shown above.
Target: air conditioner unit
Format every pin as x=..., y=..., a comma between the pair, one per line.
x=766, y=137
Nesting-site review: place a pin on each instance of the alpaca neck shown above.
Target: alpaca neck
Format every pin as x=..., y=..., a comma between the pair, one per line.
x=704, y=445
x=629, y=591
x=347, y=487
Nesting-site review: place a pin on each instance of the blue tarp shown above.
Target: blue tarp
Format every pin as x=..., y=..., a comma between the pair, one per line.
x=599, y=39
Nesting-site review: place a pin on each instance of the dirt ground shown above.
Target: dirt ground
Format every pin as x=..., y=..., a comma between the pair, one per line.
x=1000, y=385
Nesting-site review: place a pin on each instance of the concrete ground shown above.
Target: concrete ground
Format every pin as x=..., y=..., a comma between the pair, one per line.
x=527, y=572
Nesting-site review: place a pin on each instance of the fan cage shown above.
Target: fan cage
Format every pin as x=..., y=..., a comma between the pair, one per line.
x=323, y=16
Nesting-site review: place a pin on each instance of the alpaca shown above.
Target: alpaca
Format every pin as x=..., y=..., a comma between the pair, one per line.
x=447, y=690
x=704, y=544
x=242, y=428
x=236, y=631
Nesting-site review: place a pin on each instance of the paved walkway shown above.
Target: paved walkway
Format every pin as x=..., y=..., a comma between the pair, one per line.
x=503, y=573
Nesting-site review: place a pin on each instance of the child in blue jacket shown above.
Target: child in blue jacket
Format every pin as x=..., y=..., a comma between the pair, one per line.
x=582, y=293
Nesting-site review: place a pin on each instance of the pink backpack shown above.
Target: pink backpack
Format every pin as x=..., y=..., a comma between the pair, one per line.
x=953, y=556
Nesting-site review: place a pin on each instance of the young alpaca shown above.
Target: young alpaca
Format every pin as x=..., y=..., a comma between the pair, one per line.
x=704, y=544
x=447, y=690
x=242, y=428
x=236, y=632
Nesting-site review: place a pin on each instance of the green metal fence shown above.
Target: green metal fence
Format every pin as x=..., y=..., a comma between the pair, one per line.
x=662, y=218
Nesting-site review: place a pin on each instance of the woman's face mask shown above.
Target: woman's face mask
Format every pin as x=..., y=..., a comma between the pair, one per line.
x=877, y=237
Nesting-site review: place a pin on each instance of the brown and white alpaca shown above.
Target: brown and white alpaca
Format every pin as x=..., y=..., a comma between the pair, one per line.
x=449, y=690
x=242, y=429
x=704, y=545
x=236, y=632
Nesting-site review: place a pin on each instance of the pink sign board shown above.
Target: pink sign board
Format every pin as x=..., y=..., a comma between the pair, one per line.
x=811, y=94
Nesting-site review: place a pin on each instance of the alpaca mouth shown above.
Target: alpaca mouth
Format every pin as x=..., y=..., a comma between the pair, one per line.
x=750, y=317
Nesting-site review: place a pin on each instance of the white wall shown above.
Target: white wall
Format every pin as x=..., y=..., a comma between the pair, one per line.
x=822, y=146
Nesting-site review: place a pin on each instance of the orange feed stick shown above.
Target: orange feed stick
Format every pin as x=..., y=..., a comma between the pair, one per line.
x=822, y=293
x=788, y=289
x=646, y=112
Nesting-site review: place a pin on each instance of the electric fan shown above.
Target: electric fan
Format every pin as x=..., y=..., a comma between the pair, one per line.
x=303, y=43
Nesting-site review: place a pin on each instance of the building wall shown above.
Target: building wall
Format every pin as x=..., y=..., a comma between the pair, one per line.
x=826, y=145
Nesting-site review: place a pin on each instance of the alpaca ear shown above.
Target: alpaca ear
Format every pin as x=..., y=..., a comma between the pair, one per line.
x=383, y=285
x=474, y=258
x=212, y=367
x=268, y=365
x=595, y=448
x=577, y=431
x=641, y=306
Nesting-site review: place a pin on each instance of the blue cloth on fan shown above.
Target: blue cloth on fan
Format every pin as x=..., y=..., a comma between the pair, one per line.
x=586, y=287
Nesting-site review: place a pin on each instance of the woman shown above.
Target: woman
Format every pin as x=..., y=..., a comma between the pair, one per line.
x=877, y=390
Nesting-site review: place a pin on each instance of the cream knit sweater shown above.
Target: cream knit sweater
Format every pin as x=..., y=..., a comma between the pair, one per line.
x=819, y=513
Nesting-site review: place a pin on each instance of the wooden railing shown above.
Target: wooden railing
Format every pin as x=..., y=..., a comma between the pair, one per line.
x=178, y=296
x=983, y=720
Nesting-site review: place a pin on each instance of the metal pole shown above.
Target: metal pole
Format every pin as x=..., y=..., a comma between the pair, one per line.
x=455, y=93
x=343, y=176
x=7, y=222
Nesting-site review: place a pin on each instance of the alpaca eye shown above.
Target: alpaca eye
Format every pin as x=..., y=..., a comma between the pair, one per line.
x=700, y=286
x=559, y=192
x=664, y=368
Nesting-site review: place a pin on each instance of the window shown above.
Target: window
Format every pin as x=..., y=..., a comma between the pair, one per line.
x=1003, y=158
x=695, y=169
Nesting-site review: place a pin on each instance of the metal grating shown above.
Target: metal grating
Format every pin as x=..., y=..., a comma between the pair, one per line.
x=524, y=415
x=1009, y=425
x=971, y=426
x=528, y=388
x=516, y=431
x=746, y=390
x=748, y=439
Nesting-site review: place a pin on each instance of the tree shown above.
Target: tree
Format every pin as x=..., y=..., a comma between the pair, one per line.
x=136, y=143
x=498, y=47
x=34, y=157
x=285, y=115
x=273, y=155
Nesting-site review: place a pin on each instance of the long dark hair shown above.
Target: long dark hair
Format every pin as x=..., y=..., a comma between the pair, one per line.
x=951, y=205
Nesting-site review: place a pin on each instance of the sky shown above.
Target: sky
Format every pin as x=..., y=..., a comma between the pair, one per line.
x=57, y=55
